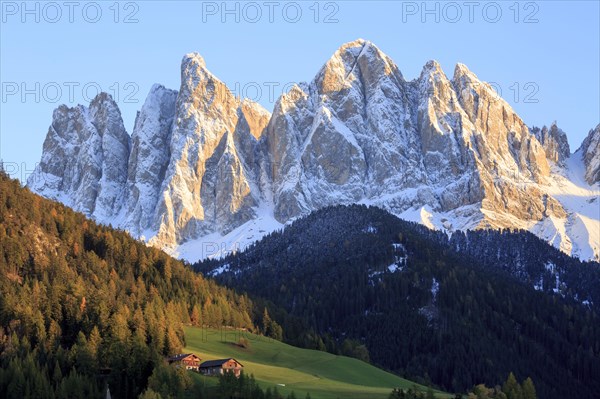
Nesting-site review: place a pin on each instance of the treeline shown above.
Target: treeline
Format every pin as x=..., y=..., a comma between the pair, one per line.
x=246, y=387
x=359, y=281
x=511, y=389
x=84, y=306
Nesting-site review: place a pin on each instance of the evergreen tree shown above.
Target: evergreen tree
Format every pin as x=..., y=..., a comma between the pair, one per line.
x=511, y=388
x=150, y=394
x=266, y=322
x=529, y=389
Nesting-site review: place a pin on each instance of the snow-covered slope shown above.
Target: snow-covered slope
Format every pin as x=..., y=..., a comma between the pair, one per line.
x=207, y=172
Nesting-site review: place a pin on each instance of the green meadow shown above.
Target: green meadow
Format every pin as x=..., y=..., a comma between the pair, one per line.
x=273, y=363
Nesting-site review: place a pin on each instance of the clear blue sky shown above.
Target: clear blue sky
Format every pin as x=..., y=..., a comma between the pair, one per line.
x=543, y=56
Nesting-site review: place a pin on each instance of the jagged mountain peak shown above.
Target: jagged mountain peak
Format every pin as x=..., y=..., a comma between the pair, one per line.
x=84, y=159
x=101, y=100
x=360, y=42
x=590, y=152
x=153, y=108
x=353, y=50
x=294, y=94
x=448, y=153
x=107, y=118
x=149, y=157
x=471, y=89
x=554, y=141
x=104, y=99
x=200, y=88
x=431, y=66
x=213, y=158
x=433, y=82
x=156, y=90
x=193, y=59
x=461, y=70
x=360, y=64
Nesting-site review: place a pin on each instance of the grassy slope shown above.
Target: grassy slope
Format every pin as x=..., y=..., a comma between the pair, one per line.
x=322, y=374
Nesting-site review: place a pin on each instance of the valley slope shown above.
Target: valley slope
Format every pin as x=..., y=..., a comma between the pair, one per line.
x=459, y=310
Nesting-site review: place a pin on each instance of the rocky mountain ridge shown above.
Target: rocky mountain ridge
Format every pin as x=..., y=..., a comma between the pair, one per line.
x=204, y=167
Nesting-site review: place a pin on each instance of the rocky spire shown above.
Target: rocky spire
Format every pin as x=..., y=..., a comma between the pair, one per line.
x=555, y=143
x=84, y=159
x=149, y=158
x=590, y=151
x=206, y=174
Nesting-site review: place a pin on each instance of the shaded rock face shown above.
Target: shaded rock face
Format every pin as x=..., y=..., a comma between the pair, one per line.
x=149, y=157
x=84, y=160
x=590, y=151
x=555, y=143
x=201, y=161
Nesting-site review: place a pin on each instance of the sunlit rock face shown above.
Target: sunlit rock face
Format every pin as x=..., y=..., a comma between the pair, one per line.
x=208, y=181
x=444, y=151
x=360, y=132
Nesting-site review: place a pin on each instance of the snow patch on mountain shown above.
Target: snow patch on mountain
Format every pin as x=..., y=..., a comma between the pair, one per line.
x=577, y=234
x=218, y=245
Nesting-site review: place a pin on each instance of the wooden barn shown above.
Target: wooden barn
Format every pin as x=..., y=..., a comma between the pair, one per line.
x=187, y=360
x=221, y=366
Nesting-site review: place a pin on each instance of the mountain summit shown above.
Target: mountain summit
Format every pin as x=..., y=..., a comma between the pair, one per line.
x=204, y=165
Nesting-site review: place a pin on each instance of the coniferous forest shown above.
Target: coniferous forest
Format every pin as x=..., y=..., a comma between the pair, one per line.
x=84, y=305
x=452, y=311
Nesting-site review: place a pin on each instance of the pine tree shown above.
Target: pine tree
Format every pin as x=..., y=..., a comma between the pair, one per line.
x=57, y=374
x=195, y=316
x=511, y=388
x=150, y=394
x=266, y=322
x=529, y=389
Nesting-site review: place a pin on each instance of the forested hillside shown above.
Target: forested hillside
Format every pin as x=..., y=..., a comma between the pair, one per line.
x=459, y=311
x=83, y=305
